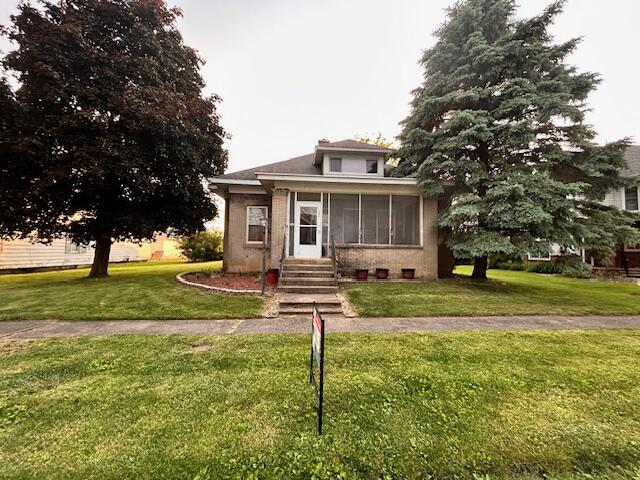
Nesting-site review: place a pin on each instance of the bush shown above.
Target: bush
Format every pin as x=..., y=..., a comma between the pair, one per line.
x=510, y=265
x=202, y=246
x=573, y=266
x=544, y=267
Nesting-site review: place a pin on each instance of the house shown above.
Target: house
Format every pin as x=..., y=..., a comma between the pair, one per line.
x=628, y=255
x=22, y=255
x=340, y=194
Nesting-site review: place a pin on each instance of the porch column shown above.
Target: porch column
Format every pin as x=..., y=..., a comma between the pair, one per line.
x=278, y=224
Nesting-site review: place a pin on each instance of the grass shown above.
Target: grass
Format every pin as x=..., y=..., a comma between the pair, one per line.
x=505, y=293
x=477, y=405
x=133, y=291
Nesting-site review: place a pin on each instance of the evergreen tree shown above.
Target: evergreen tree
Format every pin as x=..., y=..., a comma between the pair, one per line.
x=498, y=128
x=114, y=138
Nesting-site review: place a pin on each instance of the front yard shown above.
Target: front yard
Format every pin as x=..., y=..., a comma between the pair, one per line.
x=505, y=293
x=482, y=405
x=133, y=291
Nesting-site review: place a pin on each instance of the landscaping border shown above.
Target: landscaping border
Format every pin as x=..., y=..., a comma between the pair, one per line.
x=230, y=291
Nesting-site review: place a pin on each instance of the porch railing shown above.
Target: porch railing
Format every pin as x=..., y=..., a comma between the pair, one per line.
x=282, y=256
x=334, y=257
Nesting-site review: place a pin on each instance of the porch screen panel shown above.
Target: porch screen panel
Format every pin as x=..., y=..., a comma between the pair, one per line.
x=344, y=218
x=405, y=220
x=375, y=219
x=325, y=224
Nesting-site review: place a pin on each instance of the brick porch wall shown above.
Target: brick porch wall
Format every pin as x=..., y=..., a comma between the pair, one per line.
x=278, y=224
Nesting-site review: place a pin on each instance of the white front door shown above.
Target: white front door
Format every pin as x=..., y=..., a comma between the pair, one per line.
x=308, y=230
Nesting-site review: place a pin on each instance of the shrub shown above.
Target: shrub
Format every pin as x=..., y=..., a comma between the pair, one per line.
x=544, y=267
x=573, y=266
x=202, y=246
x=510, y=265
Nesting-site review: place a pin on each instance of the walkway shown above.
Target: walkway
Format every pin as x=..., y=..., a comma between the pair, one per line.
x=44, y=329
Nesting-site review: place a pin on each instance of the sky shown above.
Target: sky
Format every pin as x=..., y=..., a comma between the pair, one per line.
x=291, y=72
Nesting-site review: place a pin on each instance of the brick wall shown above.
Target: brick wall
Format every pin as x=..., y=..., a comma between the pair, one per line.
x=239, y=256
x=278, y=224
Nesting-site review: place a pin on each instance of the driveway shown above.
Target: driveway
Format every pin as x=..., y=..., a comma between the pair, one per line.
x=44, y=329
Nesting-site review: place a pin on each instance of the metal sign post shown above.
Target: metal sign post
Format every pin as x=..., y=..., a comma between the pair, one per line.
x=317, y=355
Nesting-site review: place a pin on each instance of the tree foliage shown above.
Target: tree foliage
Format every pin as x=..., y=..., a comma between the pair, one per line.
x=115, y=137
x=498, y=125
x=203, y=246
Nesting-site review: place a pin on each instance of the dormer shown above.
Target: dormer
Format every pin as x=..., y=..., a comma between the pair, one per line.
x=350, y=158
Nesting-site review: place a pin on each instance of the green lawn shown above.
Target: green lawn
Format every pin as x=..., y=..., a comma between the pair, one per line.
x=133, y=291
x=477, y=405
x=505, y=293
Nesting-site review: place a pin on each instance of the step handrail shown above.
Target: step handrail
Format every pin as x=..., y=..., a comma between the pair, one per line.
x=334, y=258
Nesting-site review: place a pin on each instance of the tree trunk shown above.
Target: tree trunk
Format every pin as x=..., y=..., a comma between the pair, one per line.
x=480, y=268
x=99, y=268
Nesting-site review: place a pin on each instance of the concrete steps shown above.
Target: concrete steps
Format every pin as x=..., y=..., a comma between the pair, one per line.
x=634, y=272
x=300, y=305
x=308, y=276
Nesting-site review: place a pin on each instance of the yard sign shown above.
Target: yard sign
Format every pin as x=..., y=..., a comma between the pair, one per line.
x=317, y=356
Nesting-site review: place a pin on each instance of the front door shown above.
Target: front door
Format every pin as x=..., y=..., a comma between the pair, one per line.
x=308, y=230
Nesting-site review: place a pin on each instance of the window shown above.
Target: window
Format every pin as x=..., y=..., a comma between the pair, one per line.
x=353, y=165
x=345, y=218
x=375, y=219
x=71, y=247
x=540, y=257
x=631, y=198
x=405, y=220
x=255, y=230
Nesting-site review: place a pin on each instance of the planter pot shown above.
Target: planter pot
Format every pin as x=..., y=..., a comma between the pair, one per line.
x=362, y=274
x=408, y=273
x=272, y=276
x=382, y=273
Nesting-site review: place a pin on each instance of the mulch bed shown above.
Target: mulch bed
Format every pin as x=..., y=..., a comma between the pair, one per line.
x=228, y=280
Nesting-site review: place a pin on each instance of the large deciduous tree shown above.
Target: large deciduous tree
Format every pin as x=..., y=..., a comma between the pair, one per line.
x=113, y=137
x=498, y=127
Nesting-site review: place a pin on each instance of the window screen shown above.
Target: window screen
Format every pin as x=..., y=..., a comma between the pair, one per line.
x=344, y=218
x=375, y=219
x=405, y=220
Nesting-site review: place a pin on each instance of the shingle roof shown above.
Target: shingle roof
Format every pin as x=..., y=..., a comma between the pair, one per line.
x=632, y=155
x=303, y=165
x=299, y=165
x=349, y=143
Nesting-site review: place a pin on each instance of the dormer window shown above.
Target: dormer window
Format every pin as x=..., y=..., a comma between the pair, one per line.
x=358, y=166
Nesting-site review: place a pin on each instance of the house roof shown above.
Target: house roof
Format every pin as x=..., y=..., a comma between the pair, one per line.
x=305, y=164
x=632, y=154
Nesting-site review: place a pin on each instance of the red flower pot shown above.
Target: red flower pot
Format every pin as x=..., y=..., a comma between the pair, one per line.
x=272, y=276
x=362, y=274
x=408, y=273
x=382, y=273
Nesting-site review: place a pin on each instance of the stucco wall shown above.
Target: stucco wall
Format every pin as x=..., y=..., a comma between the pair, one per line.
x=239, y=256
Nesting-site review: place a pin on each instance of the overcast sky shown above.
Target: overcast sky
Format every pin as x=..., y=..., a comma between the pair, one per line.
x=293, y=71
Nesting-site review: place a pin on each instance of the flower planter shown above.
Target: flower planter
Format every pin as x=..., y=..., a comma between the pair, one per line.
x=382, y=273
x=408, y=273
x=272, y=276
x=362, y=274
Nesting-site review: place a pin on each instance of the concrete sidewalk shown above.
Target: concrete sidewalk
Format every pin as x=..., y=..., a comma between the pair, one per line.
x=44, y=329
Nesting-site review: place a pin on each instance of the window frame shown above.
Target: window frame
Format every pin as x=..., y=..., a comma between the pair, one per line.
x=246, y=235
x=538, y=258
x=379, y=169
x=73, y=248
x=624, y=199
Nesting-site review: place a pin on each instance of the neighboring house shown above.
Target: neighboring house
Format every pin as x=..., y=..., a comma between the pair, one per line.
x=627, y=256
x=63, y=253
x=339, y=193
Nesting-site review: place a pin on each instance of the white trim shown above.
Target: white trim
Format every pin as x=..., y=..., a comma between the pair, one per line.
x=246, y=221
x=421, y=221
x=250, y=189
x=370, y=178
x=624, y=198
x=233, y=181
x=301, y=251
